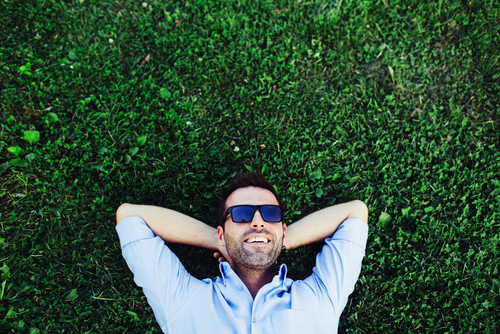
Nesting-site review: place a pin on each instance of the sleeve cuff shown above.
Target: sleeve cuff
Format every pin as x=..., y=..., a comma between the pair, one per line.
x=354, y=230
x=132, y=229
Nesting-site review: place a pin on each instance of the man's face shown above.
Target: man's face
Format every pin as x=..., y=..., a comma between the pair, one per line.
x=238, y=237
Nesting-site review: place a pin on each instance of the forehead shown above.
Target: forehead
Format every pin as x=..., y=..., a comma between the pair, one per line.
x=251, y=195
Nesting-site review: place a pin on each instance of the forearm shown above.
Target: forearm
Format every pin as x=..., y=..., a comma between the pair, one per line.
x=323, y=223
x=171, y=225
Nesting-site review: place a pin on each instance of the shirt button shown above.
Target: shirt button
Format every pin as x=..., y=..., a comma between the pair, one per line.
x=254, y=321
x=240, y=288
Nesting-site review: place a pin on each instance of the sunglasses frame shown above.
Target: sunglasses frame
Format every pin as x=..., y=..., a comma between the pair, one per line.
x=255, y=208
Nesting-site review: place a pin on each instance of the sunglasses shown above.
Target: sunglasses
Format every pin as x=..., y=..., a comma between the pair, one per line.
x=245, y=213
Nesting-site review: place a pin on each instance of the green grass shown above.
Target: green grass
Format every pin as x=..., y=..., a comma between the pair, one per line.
x=396, y=103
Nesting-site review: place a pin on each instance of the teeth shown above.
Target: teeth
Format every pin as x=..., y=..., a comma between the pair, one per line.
x=258, y=239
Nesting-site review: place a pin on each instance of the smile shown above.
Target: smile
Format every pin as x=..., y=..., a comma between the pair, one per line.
x=257, y=239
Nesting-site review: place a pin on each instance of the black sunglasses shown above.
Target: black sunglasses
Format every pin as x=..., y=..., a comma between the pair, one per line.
x=244, y=213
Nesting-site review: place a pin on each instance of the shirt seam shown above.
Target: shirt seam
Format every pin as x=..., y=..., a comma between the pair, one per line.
x=350, y=241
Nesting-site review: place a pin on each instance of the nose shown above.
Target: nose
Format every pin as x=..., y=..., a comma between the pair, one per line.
x=257, y=221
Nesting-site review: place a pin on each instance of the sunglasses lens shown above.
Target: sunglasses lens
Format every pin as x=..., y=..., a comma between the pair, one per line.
x=245, y=214
x=271, y=214
x=242, y=214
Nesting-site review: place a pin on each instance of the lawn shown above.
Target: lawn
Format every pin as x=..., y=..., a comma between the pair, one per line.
x=396, y=103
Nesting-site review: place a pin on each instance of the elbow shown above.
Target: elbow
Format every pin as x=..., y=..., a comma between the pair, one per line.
x=360, y=211
x=364, y=211
x=122, y=212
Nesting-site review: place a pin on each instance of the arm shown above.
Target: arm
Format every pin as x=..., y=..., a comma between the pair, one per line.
x=323, y=223
x=171, y=225
x=164, y=280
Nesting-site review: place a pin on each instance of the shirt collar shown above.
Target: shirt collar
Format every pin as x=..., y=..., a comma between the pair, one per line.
x=225, y=268
x=282, y=273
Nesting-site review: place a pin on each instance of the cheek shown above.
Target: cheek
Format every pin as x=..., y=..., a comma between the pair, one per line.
x=279, y=232
x=229, y=235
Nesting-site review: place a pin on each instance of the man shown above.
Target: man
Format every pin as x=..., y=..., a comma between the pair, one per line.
x=252, y=295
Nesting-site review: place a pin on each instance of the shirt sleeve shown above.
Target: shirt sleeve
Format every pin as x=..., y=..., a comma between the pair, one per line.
x=165, y=282
x=339, y=263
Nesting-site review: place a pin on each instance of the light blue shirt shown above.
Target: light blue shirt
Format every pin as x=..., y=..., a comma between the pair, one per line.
x=184, y=304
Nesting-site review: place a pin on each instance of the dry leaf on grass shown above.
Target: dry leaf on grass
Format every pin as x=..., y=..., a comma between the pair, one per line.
x=146, y=59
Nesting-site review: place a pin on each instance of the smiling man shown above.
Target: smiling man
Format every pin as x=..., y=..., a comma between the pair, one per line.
x=253, y=294
x=255, y=237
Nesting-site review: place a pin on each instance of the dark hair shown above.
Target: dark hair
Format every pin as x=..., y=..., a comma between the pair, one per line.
x=242, y=180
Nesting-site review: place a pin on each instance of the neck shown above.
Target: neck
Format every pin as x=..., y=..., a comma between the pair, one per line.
x=254, y=280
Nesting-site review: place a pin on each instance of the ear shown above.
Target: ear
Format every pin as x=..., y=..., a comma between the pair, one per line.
x=220, y=236
x=284, y=233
